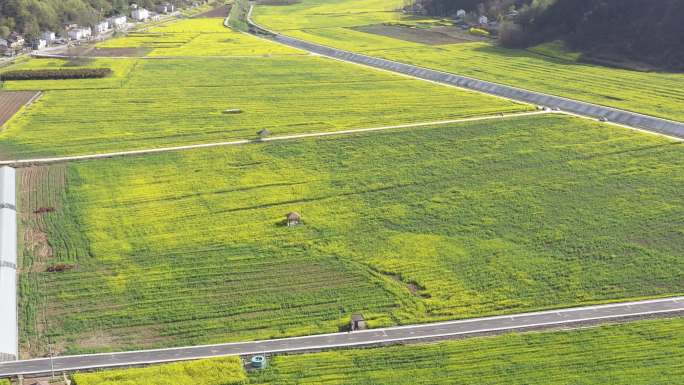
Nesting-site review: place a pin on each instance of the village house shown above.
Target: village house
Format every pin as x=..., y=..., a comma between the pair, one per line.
x=80, y=33
x=165, y=8
x=4, y=47
x=39, y=44
x=140, y=14
x=49, y=36
x=102, y=27
x=118, y=22
x=15, y=41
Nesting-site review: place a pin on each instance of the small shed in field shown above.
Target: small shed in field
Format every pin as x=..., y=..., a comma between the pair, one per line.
x=357, y=322
x=263, y=133
x=293, y=219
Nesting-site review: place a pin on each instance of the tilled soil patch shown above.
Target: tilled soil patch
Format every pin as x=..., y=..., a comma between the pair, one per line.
x=221, y=11
x=89, y=51
x=12, y=101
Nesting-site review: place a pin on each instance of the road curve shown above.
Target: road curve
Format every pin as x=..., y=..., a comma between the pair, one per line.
x=595, y=111
x=570, y=317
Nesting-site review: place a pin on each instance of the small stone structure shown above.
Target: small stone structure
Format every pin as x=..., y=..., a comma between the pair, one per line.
x=357, y=322
x=263, y=133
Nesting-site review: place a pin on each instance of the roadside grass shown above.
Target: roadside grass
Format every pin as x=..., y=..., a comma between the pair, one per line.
x=645, y=352
x=329, y=21
x=159, y=103
x=215, y=371
x=405, y=226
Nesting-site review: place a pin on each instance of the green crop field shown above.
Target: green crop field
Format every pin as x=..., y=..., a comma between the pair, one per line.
x=330, y=22
x=151, y=103
x=645, y=352
x=198, y=37
x=216, y=371
x=406, y=226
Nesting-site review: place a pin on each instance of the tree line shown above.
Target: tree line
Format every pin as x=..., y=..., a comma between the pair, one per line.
x=645, y=31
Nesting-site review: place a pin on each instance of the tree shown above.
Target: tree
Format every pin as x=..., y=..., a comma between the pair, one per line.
x=511, y=35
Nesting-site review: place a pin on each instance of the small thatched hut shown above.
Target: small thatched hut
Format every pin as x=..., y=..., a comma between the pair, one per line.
x=293, y=219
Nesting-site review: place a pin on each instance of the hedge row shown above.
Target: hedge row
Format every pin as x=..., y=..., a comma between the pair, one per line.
x=80, y=73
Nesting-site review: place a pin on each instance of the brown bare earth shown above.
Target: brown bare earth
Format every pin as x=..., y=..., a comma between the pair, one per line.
x=93, y=52
x=221, y=11
x=277, y=2
x=433, y=36
x=11, y=103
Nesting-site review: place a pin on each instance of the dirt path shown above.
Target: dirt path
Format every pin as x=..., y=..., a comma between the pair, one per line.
x=39, y=161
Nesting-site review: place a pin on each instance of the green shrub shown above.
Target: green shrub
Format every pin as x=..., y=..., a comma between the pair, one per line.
x=57, y=74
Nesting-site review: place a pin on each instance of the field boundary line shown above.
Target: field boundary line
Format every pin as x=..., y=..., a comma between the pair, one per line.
x=36, y=161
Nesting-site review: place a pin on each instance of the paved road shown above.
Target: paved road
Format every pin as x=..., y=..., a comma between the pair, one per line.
x=626, y=118
x=453, y=329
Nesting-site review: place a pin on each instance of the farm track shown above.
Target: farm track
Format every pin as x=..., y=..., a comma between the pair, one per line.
x=41, y=161
x=624, y=118
x=552, y=319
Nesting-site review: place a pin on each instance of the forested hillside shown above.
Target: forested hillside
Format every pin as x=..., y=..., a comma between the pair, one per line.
x=632, y=30
x=29, y=17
